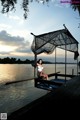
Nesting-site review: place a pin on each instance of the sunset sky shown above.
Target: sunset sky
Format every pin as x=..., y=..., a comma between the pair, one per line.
x=15, y=37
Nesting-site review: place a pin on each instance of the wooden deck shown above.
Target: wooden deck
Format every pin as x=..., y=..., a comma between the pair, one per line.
x=53, y=83
x=49, y=84
x=63, y=102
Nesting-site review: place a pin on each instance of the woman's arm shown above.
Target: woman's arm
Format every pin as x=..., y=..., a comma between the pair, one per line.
x=37, y=64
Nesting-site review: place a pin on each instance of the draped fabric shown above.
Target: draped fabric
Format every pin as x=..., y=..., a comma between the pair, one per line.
x=46, y=43
x=76, y=54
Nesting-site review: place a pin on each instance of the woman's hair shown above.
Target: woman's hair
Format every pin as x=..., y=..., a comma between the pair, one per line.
x=39, y=61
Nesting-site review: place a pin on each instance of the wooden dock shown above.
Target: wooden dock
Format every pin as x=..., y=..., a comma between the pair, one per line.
x=52, y=83
x=61, y=103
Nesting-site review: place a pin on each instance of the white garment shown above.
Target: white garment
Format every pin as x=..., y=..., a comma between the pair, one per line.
x=40, y=68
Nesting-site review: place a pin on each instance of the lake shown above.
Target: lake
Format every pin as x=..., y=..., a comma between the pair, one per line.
x=17, y=95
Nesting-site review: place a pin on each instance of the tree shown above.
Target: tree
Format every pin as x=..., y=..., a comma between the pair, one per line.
x=75, y=4
x=9, y=5
x=76, y=7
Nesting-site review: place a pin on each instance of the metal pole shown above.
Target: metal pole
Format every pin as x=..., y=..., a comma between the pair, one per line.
x=35, y=72
x=65, y=54
x=55, y=59
x=65, y=61
x=77, y=66
x=77, y=61
x=35, y=57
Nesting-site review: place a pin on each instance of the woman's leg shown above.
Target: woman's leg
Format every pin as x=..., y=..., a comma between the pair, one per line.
x=42, y=74
x=45, y=76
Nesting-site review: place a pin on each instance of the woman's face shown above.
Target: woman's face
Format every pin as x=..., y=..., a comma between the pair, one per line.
x=40, y=61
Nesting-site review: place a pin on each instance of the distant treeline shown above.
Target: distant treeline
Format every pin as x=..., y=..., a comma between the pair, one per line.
x=12, y=60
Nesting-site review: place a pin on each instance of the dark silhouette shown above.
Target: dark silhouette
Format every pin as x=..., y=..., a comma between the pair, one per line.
x=12, y=60
x=8, y=60
x=8, y=5
x=79, y=64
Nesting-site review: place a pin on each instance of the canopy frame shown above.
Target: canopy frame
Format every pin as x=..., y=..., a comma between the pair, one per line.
x=55, y=45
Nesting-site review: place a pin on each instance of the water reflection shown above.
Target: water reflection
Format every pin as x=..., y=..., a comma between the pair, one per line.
x=17, y=95
x=10, y=72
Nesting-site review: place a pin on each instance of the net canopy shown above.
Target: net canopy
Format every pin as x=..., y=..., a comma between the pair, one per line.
x=47, y=42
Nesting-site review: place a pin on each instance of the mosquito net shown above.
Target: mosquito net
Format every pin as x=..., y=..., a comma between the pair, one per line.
x=46, y=43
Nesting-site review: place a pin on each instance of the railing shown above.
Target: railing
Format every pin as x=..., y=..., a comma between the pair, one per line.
x=62, y=75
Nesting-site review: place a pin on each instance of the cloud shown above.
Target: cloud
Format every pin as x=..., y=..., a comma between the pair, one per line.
x=4, y=53
x=23, y=50
x=7, y=39
x=17, y=43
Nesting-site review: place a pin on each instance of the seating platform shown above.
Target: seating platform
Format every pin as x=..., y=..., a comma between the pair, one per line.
x=49, y=84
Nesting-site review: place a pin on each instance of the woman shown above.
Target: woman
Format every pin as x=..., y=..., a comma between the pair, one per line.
x=40, y=70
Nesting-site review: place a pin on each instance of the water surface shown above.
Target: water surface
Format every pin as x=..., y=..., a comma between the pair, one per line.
x=17, y=95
